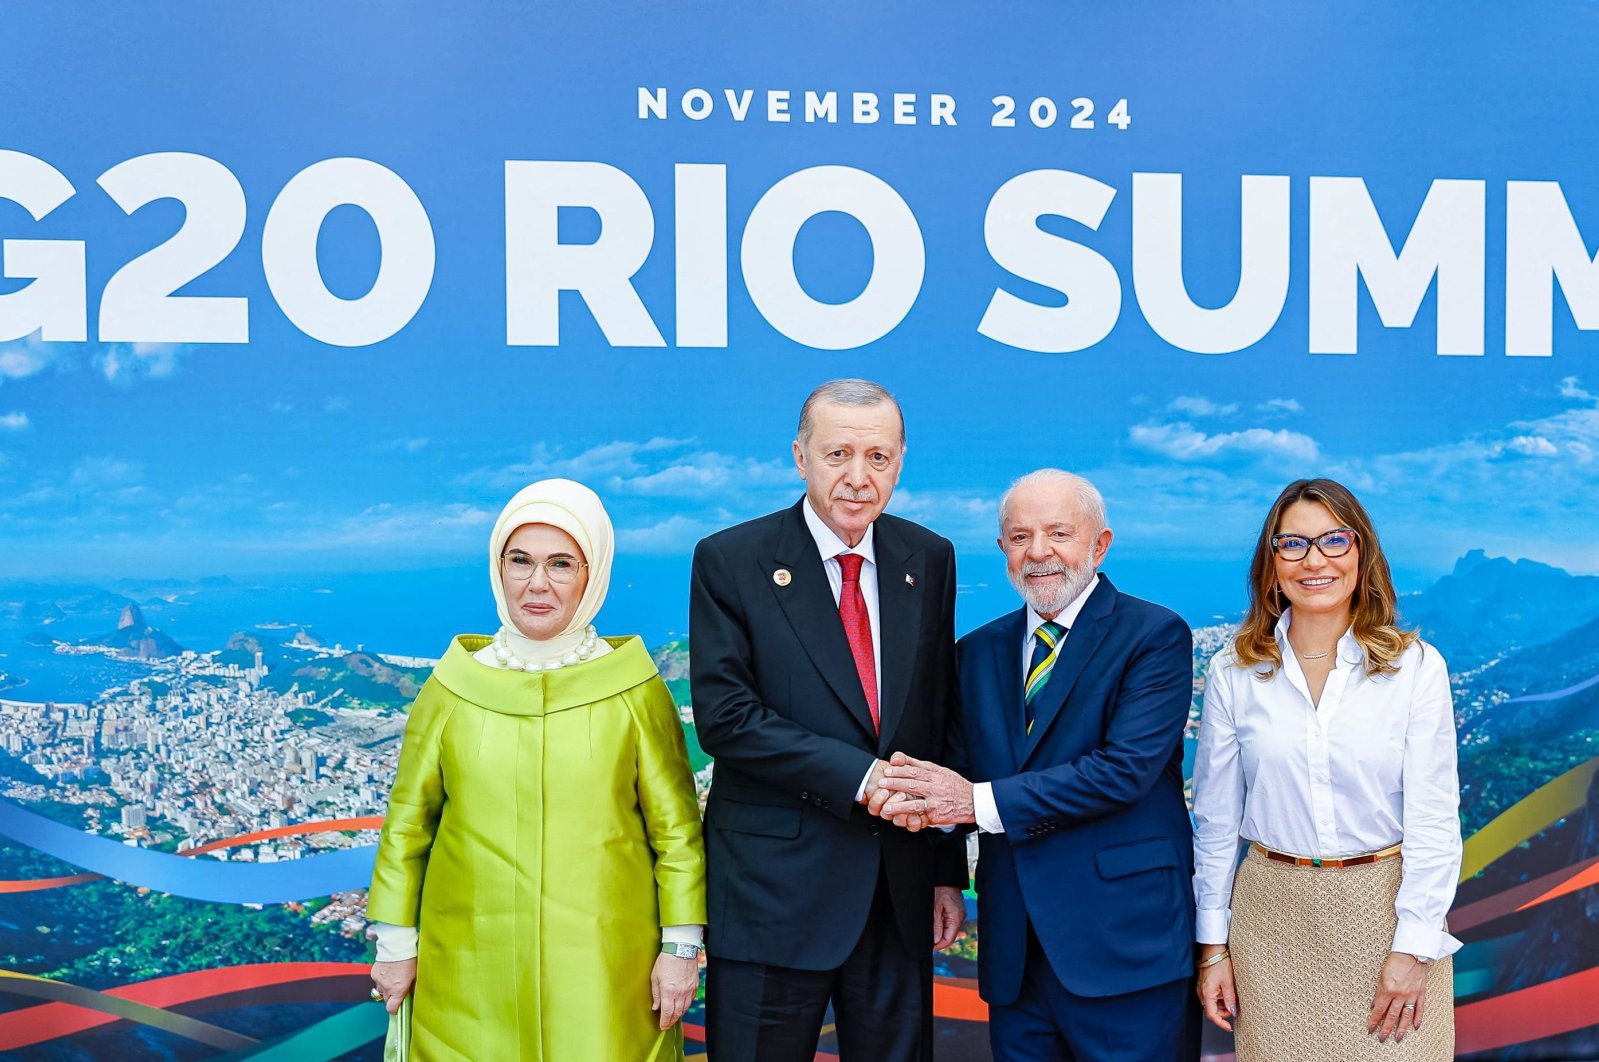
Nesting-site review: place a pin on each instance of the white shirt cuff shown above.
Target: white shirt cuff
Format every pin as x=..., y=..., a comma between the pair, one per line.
x=686, y=934
x=860, y=791
x=1413, y=939
x=1211, y=926
x=984, y=809
x=394, y=942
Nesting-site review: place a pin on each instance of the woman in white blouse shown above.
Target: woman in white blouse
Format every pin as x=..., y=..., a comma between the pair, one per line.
x=1328, y=744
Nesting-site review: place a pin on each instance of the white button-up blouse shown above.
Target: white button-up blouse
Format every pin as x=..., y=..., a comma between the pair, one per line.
x=1374, y=766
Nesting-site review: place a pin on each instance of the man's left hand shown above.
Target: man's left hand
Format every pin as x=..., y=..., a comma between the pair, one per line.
x=885, y=803
x=949, y=912
x=943, y=796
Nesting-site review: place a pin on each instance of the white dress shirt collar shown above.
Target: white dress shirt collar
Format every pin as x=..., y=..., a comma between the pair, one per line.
x=829, y=545
x=1068, y=615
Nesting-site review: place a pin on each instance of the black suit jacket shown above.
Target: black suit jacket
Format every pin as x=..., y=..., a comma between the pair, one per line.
x=792, y=860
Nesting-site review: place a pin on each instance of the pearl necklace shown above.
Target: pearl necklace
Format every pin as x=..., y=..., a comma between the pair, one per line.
x=512, y=662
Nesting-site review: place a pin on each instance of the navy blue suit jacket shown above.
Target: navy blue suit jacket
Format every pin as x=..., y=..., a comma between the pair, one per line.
x=1097, y=851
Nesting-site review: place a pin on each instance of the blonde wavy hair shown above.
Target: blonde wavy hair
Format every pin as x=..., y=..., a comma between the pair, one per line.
x=1373, y=616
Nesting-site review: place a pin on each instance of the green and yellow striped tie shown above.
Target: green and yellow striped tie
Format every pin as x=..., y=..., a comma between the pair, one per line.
x=1046, y=647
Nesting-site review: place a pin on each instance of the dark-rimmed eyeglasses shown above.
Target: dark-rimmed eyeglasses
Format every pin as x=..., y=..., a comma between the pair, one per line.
x=1334, y=543
x=518, y=567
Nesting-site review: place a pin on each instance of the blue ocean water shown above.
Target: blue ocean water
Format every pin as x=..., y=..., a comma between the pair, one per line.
x=51, y=676
x=415, y=613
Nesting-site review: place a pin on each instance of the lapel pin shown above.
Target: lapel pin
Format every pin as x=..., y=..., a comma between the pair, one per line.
x=782, y=577
x=910, y=580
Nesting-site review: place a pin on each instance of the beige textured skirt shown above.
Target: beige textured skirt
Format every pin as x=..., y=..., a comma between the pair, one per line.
x=1307, y=946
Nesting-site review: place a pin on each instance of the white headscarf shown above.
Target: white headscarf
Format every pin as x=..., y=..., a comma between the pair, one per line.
x=575, y=509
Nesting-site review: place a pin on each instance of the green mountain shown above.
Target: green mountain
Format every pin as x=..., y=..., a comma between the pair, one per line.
x=1488, y=607
x=134, y=638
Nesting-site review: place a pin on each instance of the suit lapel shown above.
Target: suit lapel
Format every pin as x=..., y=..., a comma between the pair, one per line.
x=808, y=603
x=900, y=586
x=1005, y=665
x=1083, y=638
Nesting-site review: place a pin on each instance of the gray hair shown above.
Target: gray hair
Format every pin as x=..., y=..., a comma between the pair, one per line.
x=1089, y=500
x=847, y=393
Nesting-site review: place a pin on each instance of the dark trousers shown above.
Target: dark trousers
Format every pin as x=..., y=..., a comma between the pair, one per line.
x=1049, y=1024
x=882, y=1002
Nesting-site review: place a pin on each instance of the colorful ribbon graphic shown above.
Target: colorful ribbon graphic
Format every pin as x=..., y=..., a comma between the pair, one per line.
x=1528, y=817
x=114, y=1007
x=78, y=1009
x=316, y=875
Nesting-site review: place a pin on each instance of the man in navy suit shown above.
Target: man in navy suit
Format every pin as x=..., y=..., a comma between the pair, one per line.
x=1074, y=708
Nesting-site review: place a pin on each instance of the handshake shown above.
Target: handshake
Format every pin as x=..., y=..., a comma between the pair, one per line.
x=914, y=794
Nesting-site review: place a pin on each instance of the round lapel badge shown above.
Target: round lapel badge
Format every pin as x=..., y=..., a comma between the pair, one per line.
x=782, y=577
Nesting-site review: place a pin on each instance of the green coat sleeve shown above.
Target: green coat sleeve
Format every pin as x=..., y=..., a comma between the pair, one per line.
x=413, y=813
x=671, y=809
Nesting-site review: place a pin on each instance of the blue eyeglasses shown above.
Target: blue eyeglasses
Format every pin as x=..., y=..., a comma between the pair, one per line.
x=1334, y=543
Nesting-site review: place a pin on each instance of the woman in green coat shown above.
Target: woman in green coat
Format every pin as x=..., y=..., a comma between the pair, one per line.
x=540, y=880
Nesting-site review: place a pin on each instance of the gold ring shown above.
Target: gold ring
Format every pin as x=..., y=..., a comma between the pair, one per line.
x=377, y=997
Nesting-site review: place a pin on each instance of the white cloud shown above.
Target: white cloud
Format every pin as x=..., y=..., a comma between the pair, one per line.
x=1198, y=406
x=677, y=534
x=94, y=473
x=1571, y=387
x=411, y=446
x=335, y=404
x=122, y=363
x=14, y=421
x=1279, y=407
x=25, y=358
x=709, y=471
x=1531, y=446
x=965, y=518
x=1516, y=490
x=411, y=530
x=1181, y=441
x=658, y=467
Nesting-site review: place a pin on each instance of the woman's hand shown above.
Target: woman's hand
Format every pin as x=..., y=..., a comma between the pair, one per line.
x=1216, y=991
x=1401, y=998
x=394, y=980
x=673, y=983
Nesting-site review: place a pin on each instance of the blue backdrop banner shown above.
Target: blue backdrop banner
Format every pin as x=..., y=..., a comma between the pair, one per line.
x=293, y=297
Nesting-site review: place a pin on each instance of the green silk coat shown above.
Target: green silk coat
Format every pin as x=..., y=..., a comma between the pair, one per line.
x=542, y=828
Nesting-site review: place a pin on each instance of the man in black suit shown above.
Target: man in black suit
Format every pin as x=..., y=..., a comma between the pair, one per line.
x=821, y=641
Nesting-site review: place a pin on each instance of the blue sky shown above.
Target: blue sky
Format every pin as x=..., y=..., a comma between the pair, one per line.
x=288, y=455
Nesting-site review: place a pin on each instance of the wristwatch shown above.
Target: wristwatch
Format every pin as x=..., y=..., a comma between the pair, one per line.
x=682, y=951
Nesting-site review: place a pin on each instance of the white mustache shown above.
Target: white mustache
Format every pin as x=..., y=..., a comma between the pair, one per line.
x=849, y=494
x=1042, y=568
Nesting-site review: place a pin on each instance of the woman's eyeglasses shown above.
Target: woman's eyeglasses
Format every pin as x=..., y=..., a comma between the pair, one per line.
x=519, y=567
x=1334, y=543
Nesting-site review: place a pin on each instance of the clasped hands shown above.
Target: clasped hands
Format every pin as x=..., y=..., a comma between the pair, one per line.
x=915, y=794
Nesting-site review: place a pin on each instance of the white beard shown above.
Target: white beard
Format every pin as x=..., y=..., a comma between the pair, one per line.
x=1047, y=600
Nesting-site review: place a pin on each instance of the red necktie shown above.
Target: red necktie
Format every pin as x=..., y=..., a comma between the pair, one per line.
x=858, y=629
